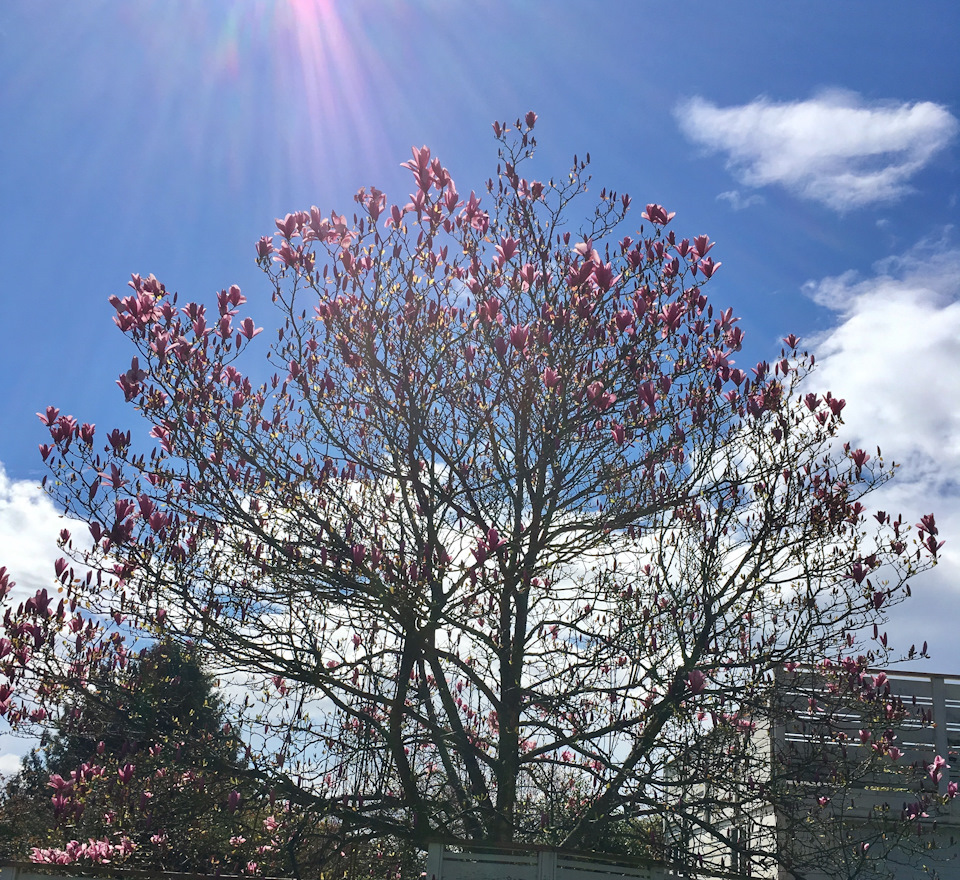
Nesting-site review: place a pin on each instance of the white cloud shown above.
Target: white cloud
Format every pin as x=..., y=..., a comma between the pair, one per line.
x=29, y=526
x=897, y=349
x=895, y=357
x=834, y=148
x=12, y=751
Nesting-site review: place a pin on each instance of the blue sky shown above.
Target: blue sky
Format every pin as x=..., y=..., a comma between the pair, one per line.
x=816, y=142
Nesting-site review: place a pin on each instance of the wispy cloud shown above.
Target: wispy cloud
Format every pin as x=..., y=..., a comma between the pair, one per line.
x=834, y=148
x=894, y=355
x=738, y=202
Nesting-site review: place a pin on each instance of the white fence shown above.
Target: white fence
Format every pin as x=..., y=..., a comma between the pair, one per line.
x=12, y=872
x=931, y=726
x=442, y=864
x=478, y=864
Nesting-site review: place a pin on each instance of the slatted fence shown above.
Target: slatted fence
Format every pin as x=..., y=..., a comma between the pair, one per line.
x=464, y=863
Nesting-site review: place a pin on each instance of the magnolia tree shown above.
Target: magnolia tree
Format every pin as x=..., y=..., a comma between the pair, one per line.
x=502, y=537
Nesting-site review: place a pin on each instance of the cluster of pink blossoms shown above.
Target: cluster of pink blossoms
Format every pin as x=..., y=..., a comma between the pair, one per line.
x=98, y=852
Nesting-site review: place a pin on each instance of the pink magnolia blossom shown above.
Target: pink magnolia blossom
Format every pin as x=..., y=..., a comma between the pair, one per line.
x=551, y=379
x=658, y=214
x=519, y=336
x=420, y=166
x=58, y=783
x=490, y=310
x=603, y=276
x=50, y=416
x=474, y=216
x=835, y=405
x=599, y=398
x=935, y=770
x=623, y=319
x=287, y=226
x=708, y=267
x=647, y=393
x=702, y=244
x=507, y=249
x=247, y=329
x=914, y=811
x=696, y=681
x=860, y=458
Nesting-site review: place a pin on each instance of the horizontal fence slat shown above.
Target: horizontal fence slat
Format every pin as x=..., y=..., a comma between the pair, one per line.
x=505, y=858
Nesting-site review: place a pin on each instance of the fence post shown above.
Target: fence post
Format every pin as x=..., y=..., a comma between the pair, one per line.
x=546, y=865
x=938, y=697
x=435, y=861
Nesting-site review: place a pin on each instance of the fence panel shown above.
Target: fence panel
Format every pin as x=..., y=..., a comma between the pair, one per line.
x=444, y=864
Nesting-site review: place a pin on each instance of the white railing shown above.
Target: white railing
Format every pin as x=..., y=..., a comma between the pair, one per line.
x=931, y=726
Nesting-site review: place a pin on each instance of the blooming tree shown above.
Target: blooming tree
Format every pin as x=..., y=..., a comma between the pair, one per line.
x=502, y=534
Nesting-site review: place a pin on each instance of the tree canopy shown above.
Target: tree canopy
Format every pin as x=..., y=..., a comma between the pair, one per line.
x=503, y=535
